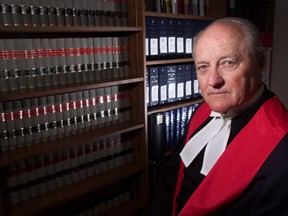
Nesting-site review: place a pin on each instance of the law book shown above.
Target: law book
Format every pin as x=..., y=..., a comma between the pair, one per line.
x=154, y=86
x=167, y=120
x=147, y=96
x=58, y=169
x=59, y=115
x=152, y=37
x=73, y=112
x=89, y=159
x=109, y=58
x=156, y=136
x=171, y=79
x=163, y=37
x=172, y=132
x=76, y=12
x=86, y=110
x=116, y=64
x=100, y=107
x=35, y=120
x=98, y=49
x=35, y=12
x=7, y=17
x=163, y=82
x=10, y=125
x=96, y=157
x=49, y=171
x=119, y=148
x=4, y=144
x=52, y=12
x=184, y=120
x=98, y=13
x=43, y=117
x=30, y=63
x=70, y=64
x=91, y=61
x=18, y=123
x=11, y=64
x=82, y=161
x=178, y=113
x=68, y=12
x=66, y=114
x=77, y=53
x=38, y=61
x=12, y=182
x=93, y=108
x=83, y=62
x=21, y=67
x=63, y=70
x=111, y=153
x=80, y=111
x=44, y=15
x=180, y=82
x=26, y=13
x=115, y=104
x=91, y=13
x=108, y=106
x=127, y=102
x=47, y=63
x=66, y=163
x=74, y=164
x=40, y=174
x=32, y=177
x=84, y=12
x=60, y=13
x=52, y=118
x=121, y=13
x=103, y=155
x=54, y=62
x=126, y=52
x=22, y=181
x=4, y=75
x=16, y=13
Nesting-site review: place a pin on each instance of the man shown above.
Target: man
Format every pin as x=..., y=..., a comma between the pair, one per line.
x=234, y=159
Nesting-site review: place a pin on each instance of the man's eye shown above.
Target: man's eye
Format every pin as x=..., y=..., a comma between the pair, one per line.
x=202, y=67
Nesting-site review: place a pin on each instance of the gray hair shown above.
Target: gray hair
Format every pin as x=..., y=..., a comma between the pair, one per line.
x=249, y=30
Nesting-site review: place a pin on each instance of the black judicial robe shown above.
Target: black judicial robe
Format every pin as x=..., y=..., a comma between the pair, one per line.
x=266, y=193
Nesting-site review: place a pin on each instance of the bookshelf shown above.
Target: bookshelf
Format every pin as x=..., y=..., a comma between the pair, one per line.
x=84, y=153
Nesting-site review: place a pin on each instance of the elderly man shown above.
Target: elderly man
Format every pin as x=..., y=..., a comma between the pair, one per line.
x=234, y=158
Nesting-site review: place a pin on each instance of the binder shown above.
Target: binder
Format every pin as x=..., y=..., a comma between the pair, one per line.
x=163, y=82
x=156, y=136
x=152, y=38
x=163, y=37
x=196, y=87
x=180, y=38
x=171, y=79
x=171, y=32
x=188, y=80
x=188, y=38
x=180, y=80
x=154, y=86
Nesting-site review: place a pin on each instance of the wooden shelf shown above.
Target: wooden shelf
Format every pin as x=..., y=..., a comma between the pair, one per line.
x=169, y=61
x=72, y=191
x=177, y=16
x=13, y=156
x=16, y=95
x=173, y=105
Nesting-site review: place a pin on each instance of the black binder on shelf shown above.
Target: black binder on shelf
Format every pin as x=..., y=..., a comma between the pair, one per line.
x=171, y=33
x=152, y=38
x=171, y=79
x=163, y=37
x=156, y=136
x=154, y=86
x=163, y=82
x=180, y=80
x=188, y=80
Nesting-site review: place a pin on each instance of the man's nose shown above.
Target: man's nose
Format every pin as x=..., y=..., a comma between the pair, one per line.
x=215, y=78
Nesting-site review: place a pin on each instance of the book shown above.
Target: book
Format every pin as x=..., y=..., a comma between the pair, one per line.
x=59, y=115
x=10, y=125
x=154, y=86
x=171, y=80
x=4, y=144
x=163, y=82
x=35, y=120
x=180, y=82
x=152, y=37
x=163, y=37
x=18, y=123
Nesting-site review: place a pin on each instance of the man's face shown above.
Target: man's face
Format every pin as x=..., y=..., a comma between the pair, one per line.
x=226, y=73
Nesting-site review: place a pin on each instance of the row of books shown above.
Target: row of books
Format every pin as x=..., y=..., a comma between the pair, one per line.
x=31, y=121
x=29, y=63
x=63, y=13
x=166, y=130
x=170, y=83
x=104, y=200
x=44, y=173
x=168, y=38
x=188, y=7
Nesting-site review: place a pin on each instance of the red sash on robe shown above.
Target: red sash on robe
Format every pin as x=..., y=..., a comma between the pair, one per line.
x=245, y=154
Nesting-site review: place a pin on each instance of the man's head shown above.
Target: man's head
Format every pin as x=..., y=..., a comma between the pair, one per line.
x=228, y=61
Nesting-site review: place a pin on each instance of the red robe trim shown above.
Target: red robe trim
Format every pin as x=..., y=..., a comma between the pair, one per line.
x=245, y=155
